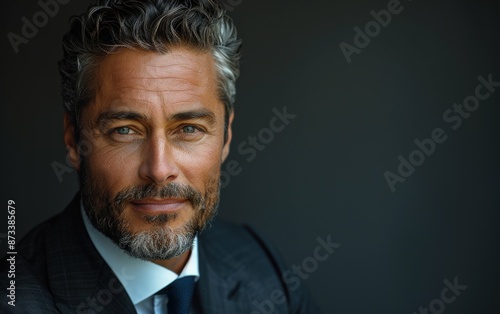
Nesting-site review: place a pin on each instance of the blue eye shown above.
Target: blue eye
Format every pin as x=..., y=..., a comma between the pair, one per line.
x=189, y=129
x=123, y=130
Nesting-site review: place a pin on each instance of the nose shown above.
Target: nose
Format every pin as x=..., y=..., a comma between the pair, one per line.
x=157, y=163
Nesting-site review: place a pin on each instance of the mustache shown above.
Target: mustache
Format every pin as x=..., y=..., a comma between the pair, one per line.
x=171, y=190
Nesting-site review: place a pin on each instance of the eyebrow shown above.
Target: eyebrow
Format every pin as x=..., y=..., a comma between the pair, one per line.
x=110, y=115
x=199, y=114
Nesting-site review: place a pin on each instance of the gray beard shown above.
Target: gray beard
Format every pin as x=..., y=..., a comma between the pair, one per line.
x=158, y=244
x=161, y=242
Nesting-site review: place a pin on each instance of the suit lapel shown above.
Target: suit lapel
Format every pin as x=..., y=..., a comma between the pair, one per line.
x=221, y=287
x=214, y=292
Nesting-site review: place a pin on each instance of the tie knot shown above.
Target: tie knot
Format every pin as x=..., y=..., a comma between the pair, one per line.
x=180, y=294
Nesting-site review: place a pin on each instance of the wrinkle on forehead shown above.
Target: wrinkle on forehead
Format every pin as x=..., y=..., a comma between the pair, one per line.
x=181, y=69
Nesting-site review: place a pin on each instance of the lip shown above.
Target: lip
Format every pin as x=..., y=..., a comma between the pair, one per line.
x=157, y=206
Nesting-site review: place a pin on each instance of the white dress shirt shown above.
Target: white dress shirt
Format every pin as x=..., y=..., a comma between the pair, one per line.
x=141, y=279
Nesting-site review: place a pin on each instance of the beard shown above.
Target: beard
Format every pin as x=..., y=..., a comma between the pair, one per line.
x=160, y=241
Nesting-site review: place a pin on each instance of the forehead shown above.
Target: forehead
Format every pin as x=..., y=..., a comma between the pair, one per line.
x=182, y=75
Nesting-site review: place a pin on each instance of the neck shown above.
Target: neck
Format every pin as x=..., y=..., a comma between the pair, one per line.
x=175, y=264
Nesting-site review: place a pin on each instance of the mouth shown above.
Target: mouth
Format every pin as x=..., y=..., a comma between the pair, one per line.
x=159, y=206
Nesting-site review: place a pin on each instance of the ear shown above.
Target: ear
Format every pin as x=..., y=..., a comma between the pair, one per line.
x=69, y=141
x=225, y=149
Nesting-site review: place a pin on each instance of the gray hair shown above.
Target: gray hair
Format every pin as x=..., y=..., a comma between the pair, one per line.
x=151, y=25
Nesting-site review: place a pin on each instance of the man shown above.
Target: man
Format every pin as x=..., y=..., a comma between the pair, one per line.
x=148, y=89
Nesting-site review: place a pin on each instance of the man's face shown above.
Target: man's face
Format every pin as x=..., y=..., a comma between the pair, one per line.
x=154, y=139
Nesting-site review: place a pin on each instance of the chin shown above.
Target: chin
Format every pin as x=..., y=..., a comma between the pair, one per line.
x=157, y=240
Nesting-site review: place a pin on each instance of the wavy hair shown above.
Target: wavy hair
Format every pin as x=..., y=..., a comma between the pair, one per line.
x=151, y=25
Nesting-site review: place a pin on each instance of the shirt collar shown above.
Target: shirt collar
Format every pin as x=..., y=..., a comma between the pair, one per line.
x=141, y=279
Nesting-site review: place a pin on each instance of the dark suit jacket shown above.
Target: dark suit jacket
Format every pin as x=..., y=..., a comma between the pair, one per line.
x=58, y=270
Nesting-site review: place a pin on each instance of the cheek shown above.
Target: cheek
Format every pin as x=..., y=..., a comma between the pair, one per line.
x=202, y=166
x=113, y=168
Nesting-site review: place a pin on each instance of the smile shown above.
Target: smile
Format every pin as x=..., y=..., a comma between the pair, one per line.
x=157, y=206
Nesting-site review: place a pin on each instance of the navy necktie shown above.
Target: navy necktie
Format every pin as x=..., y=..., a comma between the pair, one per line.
x=180, y=295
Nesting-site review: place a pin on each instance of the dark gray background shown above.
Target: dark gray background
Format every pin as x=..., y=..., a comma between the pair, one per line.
x=323, y=174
